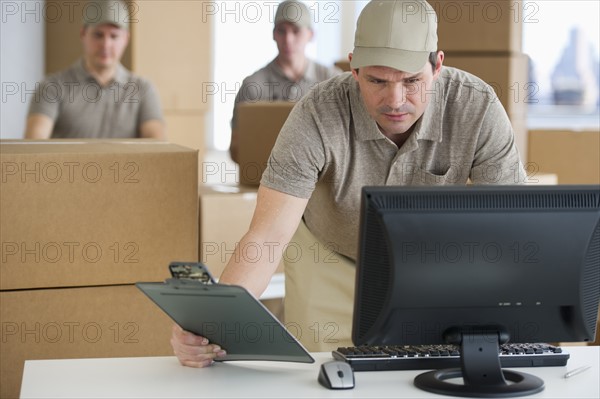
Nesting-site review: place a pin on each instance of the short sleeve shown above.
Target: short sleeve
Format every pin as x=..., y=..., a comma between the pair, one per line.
x=150, y=108
x=298, y=156
x=46, y=99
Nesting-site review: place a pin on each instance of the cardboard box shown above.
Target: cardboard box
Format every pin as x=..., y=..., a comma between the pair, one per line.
x=574, y=156
x=95, y=212
x=225, y=216
x=258, y=126
x=508, y=76
x=483, y=25
x=66, y=323
x=344, y=65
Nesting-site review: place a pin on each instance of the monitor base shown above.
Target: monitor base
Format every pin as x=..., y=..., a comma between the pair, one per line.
x=523, y=384
x=480, y=369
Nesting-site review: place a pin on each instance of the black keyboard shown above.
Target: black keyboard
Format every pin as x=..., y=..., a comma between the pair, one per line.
x=371, y=358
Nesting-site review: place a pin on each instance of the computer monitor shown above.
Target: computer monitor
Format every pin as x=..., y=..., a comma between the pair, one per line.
x=478, y=266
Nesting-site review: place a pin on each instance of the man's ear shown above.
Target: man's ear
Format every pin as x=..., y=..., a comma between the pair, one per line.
x=354, y=71
x=438, y=64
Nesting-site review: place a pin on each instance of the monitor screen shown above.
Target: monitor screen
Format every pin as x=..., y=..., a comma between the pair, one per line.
x=492, y=263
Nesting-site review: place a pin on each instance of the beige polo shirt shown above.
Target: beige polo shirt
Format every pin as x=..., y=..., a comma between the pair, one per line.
x=330, y=147
x=80, y=107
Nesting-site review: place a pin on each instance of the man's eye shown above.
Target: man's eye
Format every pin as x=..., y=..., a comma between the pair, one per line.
x=412, y=80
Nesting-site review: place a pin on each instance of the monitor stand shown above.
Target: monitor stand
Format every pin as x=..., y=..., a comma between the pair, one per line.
x=481, y=372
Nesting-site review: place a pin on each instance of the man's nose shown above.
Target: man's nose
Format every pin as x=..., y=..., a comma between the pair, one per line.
x=105, y=42
x=396, y=95
x=289, y=38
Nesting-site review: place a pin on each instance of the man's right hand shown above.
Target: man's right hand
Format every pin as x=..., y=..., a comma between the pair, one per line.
x=193, y=350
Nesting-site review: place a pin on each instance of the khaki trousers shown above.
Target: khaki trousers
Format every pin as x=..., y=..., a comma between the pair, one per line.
x=319, y=293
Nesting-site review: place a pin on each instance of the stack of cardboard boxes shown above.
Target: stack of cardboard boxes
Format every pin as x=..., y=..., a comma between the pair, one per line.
x=80, y=223
x=484, y=38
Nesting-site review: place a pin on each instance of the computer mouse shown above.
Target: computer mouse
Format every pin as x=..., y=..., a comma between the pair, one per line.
x=336, y=375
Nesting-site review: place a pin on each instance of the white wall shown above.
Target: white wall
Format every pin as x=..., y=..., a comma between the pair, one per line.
x=21, y=61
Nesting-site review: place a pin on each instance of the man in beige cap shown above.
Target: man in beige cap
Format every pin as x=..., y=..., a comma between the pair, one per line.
x=97, y=97
x=399, y=118
x=291, y=74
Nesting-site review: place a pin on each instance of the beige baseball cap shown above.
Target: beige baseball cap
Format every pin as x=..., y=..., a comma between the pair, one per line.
x=295, y=12
x=101, y=12
x=398, y=34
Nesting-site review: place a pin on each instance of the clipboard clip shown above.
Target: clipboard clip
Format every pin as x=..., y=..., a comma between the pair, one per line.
x=194, y=271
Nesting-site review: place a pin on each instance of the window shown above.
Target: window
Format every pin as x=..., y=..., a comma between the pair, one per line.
x=562, y=40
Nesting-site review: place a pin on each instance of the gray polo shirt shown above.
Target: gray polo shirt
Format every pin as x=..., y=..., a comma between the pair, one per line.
x=80, y=107
x=271, y=84
x=330, y=147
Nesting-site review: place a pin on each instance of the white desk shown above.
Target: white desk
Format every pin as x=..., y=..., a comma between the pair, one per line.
x=163, y=377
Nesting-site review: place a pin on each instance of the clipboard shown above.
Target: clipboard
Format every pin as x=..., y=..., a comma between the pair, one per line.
x=228, y=315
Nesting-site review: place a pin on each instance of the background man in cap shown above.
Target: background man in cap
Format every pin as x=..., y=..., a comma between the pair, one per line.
x=291, y=74
x=97, y=96
x=399, y=118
